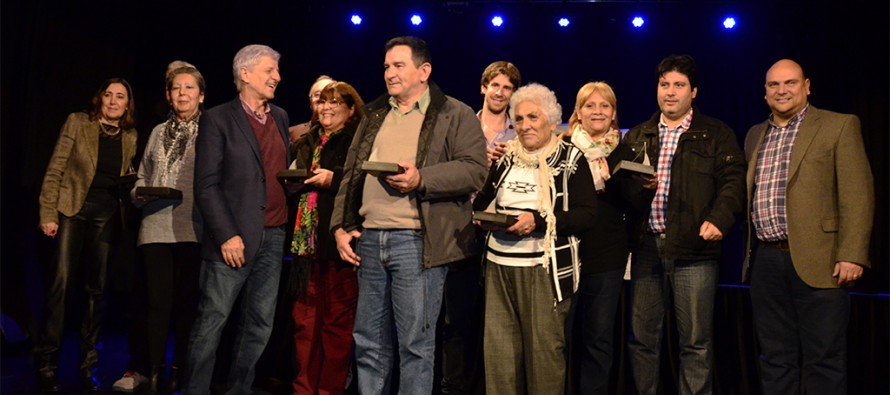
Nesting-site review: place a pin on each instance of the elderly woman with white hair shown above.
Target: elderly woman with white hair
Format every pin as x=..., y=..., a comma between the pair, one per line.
x=532, y=266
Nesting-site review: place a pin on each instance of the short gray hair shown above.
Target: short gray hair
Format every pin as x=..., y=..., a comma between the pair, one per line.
x=177, y=64
x=543, y=97
x=248, y=57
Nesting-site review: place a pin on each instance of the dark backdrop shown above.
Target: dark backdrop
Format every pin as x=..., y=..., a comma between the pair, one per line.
x=55, y=54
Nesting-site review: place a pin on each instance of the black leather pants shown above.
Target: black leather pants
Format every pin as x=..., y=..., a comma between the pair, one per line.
x=89, y=234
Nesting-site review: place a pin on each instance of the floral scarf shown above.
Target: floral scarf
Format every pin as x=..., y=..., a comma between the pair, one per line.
x=303, y=243
x=596, y=152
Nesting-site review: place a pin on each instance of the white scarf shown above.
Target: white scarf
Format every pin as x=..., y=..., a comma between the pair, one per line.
x=596, y=152
x=538, y=159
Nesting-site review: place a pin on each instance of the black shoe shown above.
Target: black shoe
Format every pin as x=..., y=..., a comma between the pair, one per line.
x=46, y=382
x=88, y=380
x=173, y=385
x=154, y=382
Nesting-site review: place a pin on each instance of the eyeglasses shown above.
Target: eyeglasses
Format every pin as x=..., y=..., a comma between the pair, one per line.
x=333, y=102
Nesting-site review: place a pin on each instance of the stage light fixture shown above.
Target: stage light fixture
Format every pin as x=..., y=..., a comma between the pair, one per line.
x=729, y=23
x=356, y=19
x=638, y=21
x=416, y=20
x=564, y=22
x=497, y=21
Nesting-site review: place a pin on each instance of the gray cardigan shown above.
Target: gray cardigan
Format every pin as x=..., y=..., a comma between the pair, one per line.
x=165, y=220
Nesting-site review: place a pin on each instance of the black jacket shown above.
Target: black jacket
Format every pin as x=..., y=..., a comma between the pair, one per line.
x=605, y=246
x=333, y=157
x=230, y=181
x=574, y=206
x=707, y=184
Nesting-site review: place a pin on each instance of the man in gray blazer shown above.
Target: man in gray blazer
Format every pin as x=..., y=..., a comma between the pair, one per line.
x=811, y=207
x=241, y=146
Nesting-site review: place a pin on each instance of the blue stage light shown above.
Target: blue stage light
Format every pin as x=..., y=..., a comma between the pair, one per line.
x=356, y=19
x=638, y=21
x=416, y=20
x=497, y=21
x=563, y=22
x=729, y=23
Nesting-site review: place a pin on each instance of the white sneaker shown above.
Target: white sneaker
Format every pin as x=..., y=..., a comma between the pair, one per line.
x=129, y=382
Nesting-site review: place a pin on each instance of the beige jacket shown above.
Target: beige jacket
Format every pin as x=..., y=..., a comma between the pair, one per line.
x=830, y=195
x=73, y=166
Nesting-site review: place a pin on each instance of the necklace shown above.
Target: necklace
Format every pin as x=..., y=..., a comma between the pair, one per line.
x=116, y=130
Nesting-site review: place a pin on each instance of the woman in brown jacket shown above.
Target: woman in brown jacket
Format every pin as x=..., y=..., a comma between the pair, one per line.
x=78, y=201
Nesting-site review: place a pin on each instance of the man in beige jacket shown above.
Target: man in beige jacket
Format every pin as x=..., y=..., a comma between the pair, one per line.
x=811, y=206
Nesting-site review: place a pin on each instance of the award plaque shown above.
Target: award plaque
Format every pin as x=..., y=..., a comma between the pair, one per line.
x=502, y=220
x=382, y=169
x=160, y=192
x=634, y=167
x=292, y=175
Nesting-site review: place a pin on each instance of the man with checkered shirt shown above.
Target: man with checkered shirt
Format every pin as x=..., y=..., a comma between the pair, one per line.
x=683, y=213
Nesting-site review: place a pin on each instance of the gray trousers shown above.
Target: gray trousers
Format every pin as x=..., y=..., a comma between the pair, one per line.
x=524, y=336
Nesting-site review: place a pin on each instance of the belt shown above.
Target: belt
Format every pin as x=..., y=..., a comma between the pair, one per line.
x=779, y=245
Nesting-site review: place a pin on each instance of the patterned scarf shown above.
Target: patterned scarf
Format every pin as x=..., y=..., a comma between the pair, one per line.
x=176, y=139
x=307, y=214
x=596, y=152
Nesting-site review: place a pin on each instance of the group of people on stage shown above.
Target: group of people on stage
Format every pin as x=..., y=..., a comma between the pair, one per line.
x=381, y=252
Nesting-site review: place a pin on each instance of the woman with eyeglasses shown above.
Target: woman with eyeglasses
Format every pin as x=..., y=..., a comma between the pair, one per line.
x=325, y=312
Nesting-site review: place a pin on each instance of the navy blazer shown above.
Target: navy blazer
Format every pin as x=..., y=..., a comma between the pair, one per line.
x=230, y=189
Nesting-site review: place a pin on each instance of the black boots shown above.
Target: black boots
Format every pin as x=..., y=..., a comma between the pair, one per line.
x=88, y=380
x=46, y=381
x=175, y=380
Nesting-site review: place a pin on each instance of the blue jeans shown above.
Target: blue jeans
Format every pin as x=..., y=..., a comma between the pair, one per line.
x=220, y=286
x=394, y=287
x=800, y=329
x=597, y=307
x=691, y=285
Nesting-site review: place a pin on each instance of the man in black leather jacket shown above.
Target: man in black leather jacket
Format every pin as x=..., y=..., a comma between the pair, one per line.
x=684, y=213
